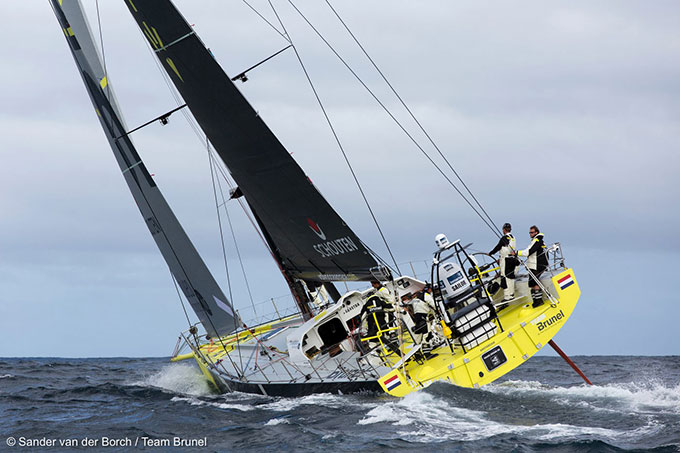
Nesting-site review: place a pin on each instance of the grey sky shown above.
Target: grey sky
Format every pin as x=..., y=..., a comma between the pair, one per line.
x=564, y=114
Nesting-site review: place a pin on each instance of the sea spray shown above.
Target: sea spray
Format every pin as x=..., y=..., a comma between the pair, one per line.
x=179, y=378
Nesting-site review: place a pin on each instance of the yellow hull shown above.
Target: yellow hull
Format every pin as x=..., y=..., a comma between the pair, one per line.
x=525, y=330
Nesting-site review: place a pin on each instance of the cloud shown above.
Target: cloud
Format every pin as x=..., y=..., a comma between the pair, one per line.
x=560, y=115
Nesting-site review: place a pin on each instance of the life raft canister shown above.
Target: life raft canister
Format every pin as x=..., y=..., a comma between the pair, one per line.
x=452, y=280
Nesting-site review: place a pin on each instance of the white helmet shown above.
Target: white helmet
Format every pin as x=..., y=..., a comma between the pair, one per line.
x=441, y=240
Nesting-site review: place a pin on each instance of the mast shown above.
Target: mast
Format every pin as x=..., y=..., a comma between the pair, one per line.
x=197, y=283
x=308, y=238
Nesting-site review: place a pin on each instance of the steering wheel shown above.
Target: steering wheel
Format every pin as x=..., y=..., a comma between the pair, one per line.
x=487, y=265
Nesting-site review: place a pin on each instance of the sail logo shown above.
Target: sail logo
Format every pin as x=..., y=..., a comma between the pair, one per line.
x=316, y=228
x=336, y=247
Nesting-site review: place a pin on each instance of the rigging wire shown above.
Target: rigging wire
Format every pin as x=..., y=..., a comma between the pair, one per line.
x=384, y=107
x=166, y=78
x=219, y=170
x=410, y=112
x=113, y=114
x=335, y=135
x=268, y=22
x=108, y=97
x=181, y=301
x=214, y=162
x=238, y=252
x=202, y=138
x=224, y=253
x=219, y=224
x=101, y=43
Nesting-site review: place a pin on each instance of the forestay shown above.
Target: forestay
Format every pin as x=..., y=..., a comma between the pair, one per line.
x=200, y=288
x=309, y=238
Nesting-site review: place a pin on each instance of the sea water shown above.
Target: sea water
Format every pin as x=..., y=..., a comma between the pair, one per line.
x=124, y=404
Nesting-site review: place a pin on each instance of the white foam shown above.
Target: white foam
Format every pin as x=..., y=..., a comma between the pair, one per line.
x=430, y=418
x=4, y=376
x=318, y=399
x=651, y=397
x=433, y=419
x=277, y=421
x=558, y=431
x=199, y=402
x=178, y=378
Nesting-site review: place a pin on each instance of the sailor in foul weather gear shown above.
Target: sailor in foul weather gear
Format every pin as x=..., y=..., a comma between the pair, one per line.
x=382, y=292
x=377, y=315
x=426, y=295
x=420, y=312
x=508, y=263
x=537, y=262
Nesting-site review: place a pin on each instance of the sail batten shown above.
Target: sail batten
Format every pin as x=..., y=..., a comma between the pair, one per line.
x=311, y=241
x=192, y=275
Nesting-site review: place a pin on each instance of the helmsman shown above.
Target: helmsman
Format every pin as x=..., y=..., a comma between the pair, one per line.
x=508, y=263
x=537, y=262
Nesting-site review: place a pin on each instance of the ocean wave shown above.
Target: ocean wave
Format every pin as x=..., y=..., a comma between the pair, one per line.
x=220, y=405
x=328, y=400
x=651, y=397
x=432, y=419
x=6, y=376
x=95, y=391
x=277, y=421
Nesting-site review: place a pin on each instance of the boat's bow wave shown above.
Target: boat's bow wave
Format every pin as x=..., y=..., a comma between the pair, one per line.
x=178, y=378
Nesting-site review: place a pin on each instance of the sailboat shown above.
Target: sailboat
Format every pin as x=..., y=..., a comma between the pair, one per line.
x=364, y=339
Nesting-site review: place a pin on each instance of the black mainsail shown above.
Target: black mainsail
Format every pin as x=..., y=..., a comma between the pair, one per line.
x=197, y=283
x=309, y=239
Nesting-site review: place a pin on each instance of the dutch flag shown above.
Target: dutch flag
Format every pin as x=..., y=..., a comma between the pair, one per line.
x=565, y=282
x=392, y=382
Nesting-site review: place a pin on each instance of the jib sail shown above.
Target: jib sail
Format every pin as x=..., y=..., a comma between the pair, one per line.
x=309, y=238
x=200, y=288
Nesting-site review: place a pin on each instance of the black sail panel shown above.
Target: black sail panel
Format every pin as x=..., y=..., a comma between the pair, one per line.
x=313, y=242
x=200, y=288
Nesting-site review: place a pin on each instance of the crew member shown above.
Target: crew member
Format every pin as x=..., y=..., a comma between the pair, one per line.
x=381, y=291
x=537, y=262
x=377, y=315
x=426, y=295
x=508, y=263
x=419, y=311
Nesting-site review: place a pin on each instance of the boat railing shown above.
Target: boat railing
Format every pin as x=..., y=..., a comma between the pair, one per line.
x=390, y=338
x=556, y=261
x=268, y=310
x=282, y=306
